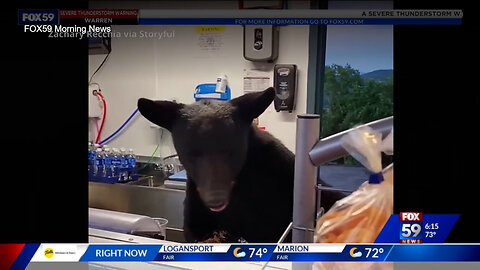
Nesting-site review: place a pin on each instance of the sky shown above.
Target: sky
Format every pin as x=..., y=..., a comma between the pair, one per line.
x=364, y=47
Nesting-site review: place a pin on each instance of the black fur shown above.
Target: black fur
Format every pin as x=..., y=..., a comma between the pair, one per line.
x=231, y=165
x=260, y=207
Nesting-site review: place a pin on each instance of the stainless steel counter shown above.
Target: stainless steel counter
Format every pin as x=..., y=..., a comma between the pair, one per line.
x=144, y=197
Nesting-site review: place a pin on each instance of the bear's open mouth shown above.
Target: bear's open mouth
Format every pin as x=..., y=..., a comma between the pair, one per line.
x=219, y=208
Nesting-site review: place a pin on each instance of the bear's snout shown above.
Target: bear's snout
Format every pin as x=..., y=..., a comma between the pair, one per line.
x=215, y=200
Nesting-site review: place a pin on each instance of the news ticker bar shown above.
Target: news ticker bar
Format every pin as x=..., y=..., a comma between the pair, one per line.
x=175, y=252
x=406, y=228
x=240, y=17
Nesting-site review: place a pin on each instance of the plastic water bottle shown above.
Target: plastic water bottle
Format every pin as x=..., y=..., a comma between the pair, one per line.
x=108, y=168
x=91, y=160
x=123, y=165
x=99, y=166
x=132, y=165
x=221, y=84
x=116, y=165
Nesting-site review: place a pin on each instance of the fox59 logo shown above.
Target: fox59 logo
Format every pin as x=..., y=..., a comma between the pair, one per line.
x=411, y=224
x=37, y=16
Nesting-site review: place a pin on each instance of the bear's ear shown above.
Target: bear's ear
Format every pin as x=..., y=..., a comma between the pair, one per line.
x=251, y=105
x=162, y=113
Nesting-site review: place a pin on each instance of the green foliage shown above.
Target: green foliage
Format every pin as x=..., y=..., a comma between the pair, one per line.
x=353, y=101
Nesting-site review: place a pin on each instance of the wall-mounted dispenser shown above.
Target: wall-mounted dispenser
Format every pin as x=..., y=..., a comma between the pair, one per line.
x=260, y=43
x=285, y=83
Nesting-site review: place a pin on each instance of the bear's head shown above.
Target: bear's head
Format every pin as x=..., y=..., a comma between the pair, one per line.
x=211, y=139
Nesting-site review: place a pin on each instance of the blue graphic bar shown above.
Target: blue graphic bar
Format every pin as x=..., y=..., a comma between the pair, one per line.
x=235, y=253
x=120, y=253
x=309, y=253
x=351, y=253
x=25, y=256
x=300, y=21
x=434, y=253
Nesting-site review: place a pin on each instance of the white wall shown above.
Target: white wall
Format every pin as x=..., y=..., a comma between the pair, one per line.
x=171, y=68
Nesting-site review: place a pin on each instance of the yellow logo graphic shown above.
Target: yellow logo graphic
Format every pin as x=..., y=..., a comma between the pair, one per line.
x=48, y=252
x=238, y=254
x=354, y=254
x=210, y=29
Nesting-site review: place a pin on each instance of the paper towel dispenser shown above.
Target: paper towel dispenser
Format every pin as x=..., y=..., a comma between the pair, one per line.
x=260, y=43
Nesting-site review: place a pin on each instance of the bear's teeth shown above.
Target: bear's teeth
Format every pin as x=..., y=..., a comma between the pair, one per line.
x=218, y=209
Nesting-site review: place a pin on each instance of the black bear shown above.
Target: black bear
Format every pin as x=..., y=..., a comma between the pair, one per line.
x=240, y=179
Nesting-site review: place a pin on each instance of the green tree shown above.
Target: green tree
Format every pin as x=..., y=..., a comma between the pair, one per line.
x=352, y=101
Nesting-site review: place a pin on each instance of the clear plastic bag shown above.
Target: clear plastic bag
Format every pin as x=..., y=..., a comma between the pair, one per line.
x=359, y=217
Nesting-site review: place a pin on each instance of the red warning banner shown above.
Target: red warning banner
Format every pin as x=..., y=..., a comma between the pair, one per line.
x=105, y=13
x=99, y=16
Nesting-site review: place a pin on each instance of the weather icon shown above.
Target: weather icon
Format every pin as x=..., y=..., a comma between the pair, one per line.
x=238, y=253
x=354, y=254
